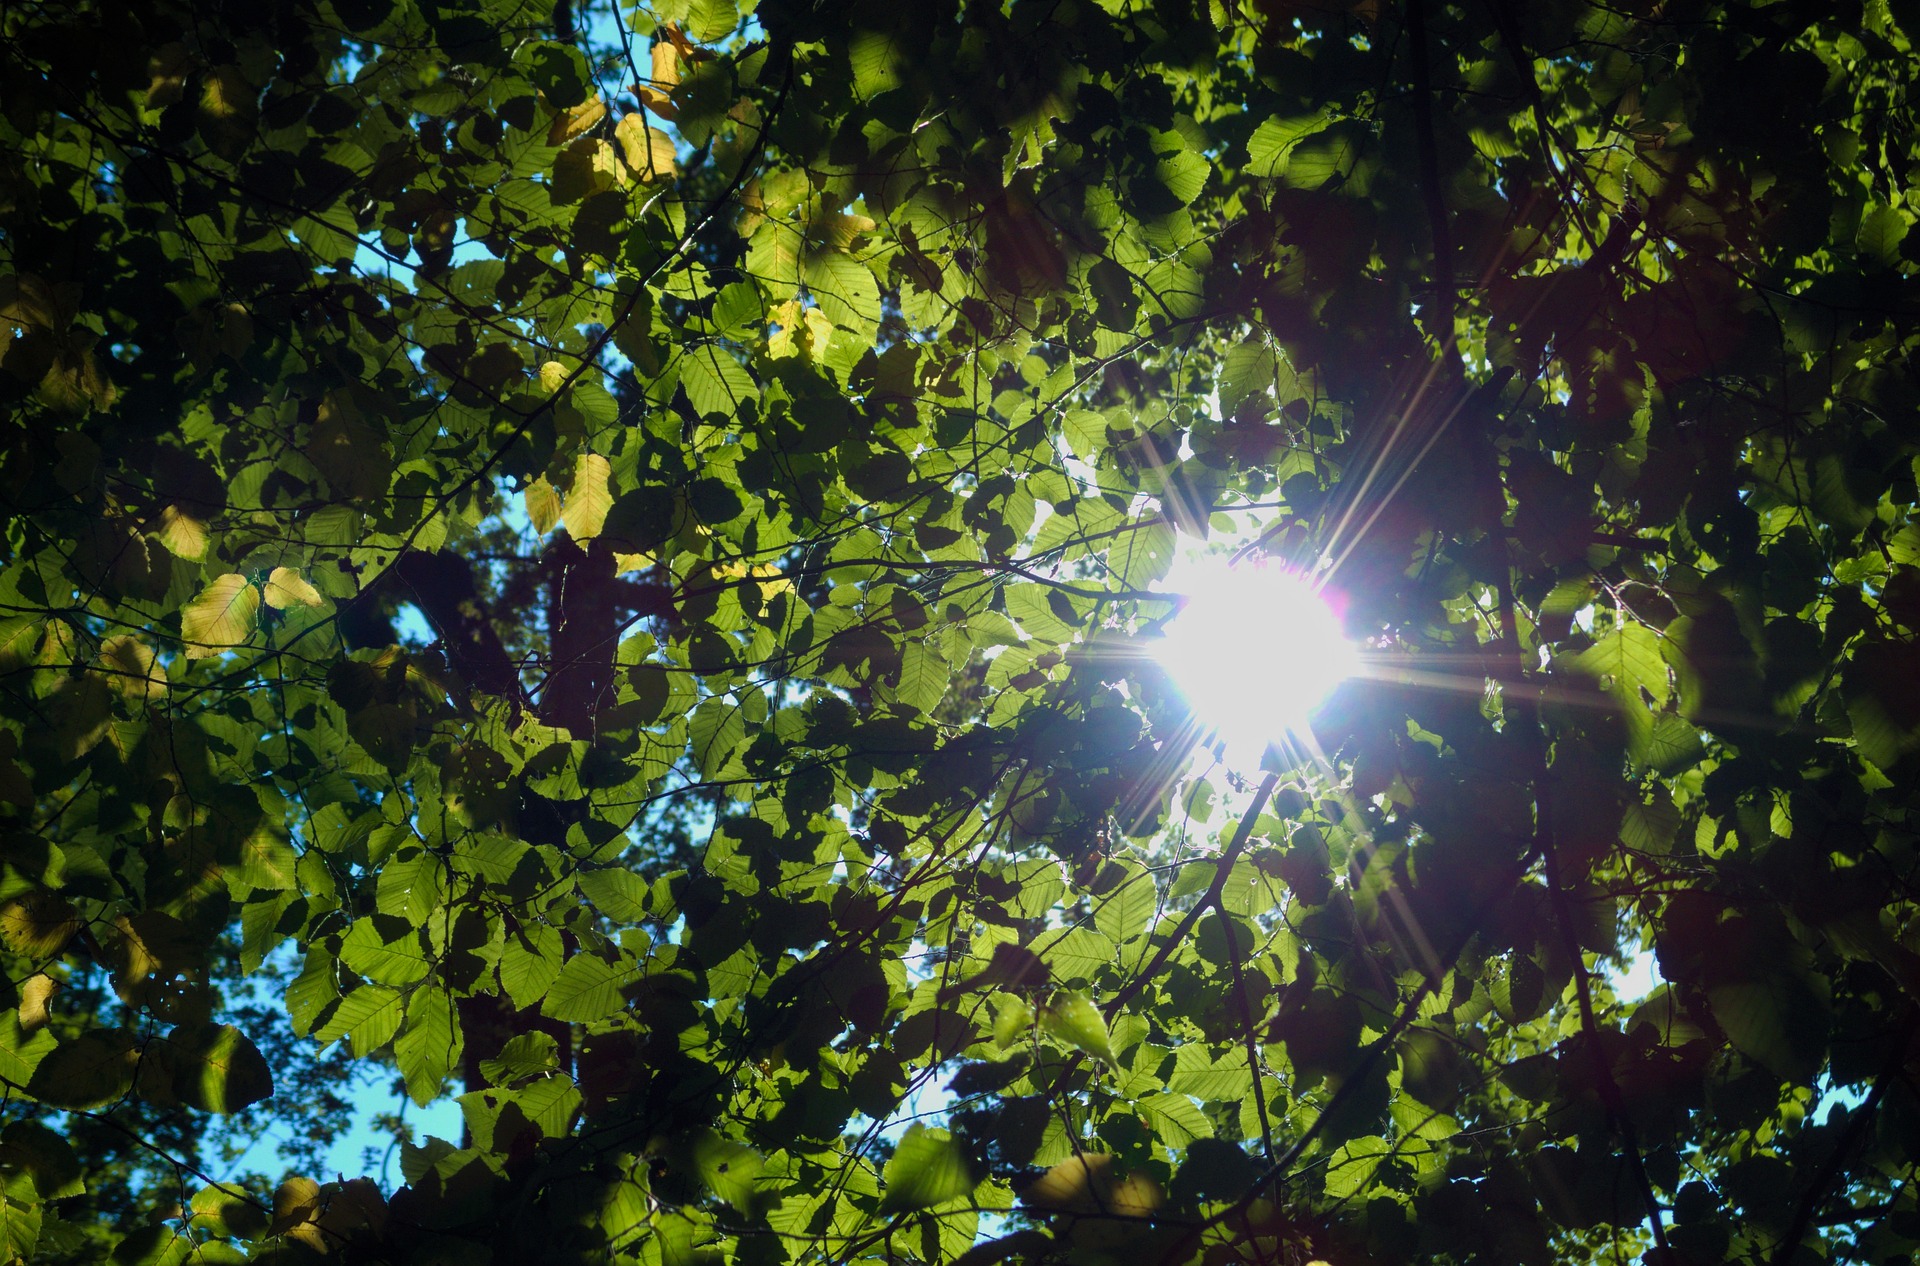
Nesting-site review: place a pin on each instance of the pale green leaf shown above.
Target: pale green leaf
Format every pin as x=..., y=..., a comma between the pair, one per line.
x=1073, y=1018
x=927, y=1168
x=542, y=502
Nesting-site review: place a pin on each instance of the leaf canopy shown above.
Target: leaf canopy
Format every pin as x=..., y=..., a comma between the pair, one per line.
x=603, y=562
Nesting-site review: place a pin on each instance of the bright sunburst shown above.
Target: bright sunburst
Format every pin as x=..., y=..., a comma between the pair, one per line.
x=1255, y=649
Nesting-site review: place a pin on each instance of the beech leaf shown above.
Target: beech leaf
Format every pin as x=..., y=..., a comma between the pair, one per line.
x=588, y=499
x=285, y=588
x=221, y=618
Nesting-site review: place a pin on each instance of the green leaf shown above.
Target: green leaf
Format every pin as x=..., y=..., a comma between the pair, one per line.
x=46, y=1157
x=216, y=1068
x=716, y=384
x=927, y=1168
x=718, y=726
x=429, y=1049
x=1012, y=1020
x=1078, y=954
x=1274, y=140
x=1776, y=1010
x=924, y=674
x=1122, y=915
x=712, y=20
x=529, y=962
x=1351, y=1168
x=876, y=58
x=386, y=951
x=20, y=1221
x=587, y=989
x=410, y=886
x=368, y=1017
x=1248, y=368
x=730, y=1170
x=524, y=1055
x=1518, y=988
x=621, y=895
x=844, y=288
x=1175, y=1119
x=1072, y=1017
x=88, y=1071
x=1626, y=660
x=560, y=72
x=1881, y=232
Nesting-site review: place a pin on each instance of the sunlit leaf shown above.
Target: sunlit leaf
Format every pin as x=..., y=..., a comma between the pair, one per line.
x=221, y=617
x=588, y=498
x=1074, y=1019
x=285, y=588
x=927, y=1168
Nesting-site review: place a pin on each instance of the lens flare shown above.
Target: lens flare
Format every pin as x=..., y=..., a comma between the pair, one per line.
x=1255, y=649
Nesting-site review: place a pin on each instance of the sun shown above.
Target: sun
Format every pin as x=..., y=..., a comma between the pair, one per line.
x=1255, y=649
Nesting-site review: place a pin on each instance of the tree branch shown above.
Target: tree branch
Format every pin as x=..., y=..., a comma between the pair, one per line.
x=1830, y=1169
x=1429, y=159
x=441, y=584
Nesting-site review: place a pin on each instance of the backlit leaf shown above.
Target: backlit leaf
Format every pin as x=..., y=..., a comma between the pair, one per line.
x=1074, y=1019
x=221, y=617
x=588, y=497
x=927, y=1168
x=285, y=588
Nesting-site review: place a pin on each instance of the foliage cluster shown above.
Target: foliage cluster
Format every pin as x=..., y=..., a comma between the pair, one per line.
x=603, y=554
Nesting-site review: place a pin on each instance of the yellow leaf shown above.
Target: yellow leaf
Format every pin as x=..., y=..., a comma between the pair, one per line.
x=648, y=150
x=226, y=94
x=543, y=505
x=34, y=992
x=132, y=667
x=803, y=332
x=588, y=500
x=657, y=101
x=553, y=376
x=286, y=588
x=183, y=535
x=128, y=953
x=296, y=1202
x=60, y=646
x=666, y=66
x=37, y=925
x=575, y=120
x=584, y=168
x=624, y=563
x=167, y=71
x=221, y=618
